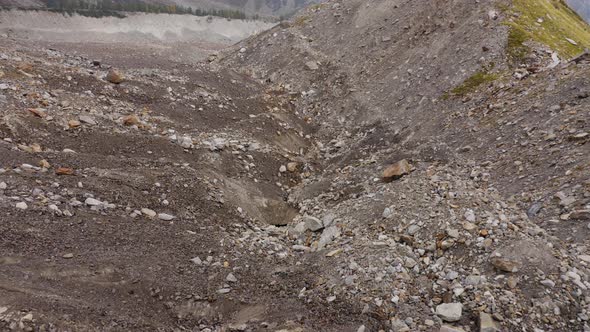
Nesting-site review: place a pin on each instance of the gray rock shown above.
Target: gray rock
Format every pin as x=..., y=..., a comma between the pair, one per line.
x=313, y=223
x=148, y=212
x=399, y=326
x=92, y=202
x=165, y=216
x=449, y=312
x=487, y=324
x=328, y=235
x=448, y=328
x=231, y=278
x=21, y=205
x=87, y=120
x=470, y=215
x=534, y=209
x=312, y=65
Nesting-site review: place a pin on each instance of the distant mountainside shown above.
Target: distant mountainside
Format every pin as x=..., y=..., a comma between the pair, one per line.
x=250, y=7
x=582, y=7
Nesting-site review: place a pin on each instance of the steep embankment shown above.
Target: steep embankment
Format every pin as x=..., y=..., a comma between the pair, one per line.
x=482, y=99
x=389, y=165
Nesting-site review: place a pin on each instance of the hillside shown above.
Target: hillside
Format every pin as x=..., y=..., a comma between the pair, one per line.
x=384, y=165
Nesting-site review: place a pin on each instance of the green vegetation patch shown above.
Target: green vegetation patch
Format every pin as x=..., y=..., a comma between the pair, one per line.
x=474, y=81
x=549, y=22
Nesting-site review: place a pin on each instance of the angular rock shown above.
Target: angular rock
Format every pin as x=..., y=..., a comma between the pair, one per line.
x=397, y=170
x=87, y=120
x=487, y=324
x=448, y=328
x=115, y=77
x=506, y=265
x=165, y=216
x=231, y=278
x=131, y=120
x=92, y=202
x=21, y=205
x=292, y=167
x=74, y=124
x=148, y=212
x=312, y=65
x=312, y=223
x=64, y=171
x=449, y=312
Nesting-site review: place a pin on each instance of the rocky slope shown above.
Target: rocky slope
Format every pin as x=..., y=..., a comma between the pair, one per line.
x=369, y=166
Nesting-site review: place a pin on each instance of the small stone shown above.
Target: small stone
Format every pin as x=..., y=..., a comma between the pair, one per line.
x=131, y=120
x=186, y=142
x=548, y=283
x=3, y=186
x=115, y=77
x=292, y=167
x=448, y=328
x=87, y=120
x=584, y=258
x=399, y=326
x=92, y=202
x=21, y=205
x=74, y=124
x=468, y=226
x=397, y=170
x=38, y=112
x=312, y=223
x=223, y=291
x=68, y=256
x=64, y=171
x=312, y=65
x=580, y=215
x=386, y=212
x=148, y=212
x=487, y=324
x=197, y=261
x=283, y=169
x=238, y=327
x=165, y=216
x=506, y=265
x=44, y=163
x=3, y=310
x=469, y=215
x=449, y=312
x=231, y=278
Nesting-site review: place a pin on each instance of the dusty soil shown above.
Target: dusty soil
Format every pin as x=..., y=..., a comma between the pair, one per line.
x=245, y=192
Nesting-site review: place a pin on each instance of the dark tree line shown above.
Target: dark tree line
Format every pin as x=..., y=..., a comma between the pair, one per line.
x=108, y=7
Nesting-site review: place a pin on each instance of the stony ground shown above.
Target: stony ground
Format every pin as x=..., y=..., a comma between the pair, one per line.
x=329, y=190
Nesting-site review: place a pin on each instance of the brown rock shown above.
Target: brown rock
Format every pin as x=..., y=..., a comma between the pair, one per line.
x=292, y=167
x=36, y=148
x=44, y=163
x=580, y=215
x=74, y=123
x=38, y=112
x=131, y=120
x=64, y=171
x=397, y=170
x=506, y=265
x=115, y=77
x=25, y=66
